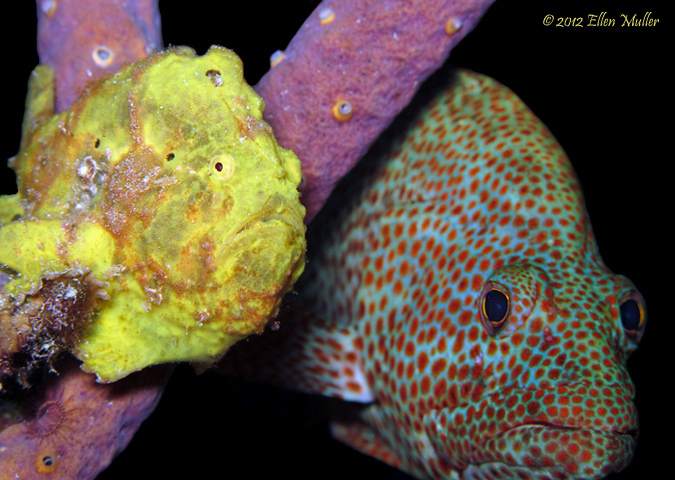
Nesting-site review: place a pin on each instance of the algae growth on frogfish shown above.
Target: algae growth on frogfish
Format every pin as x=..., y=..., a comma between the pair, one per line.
x=156, y=220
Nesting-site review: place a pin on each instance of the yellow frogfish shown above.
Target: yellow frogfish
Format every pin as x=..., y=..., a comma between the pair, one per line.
x=157, y=220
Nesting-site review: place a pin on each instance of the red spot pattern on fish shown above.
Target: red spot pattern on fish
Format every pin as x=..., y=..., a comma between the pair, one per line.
x=455, y=290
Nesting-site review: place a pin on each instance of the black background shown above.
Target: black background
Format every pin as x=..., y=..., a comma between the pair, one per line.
x=603, y=94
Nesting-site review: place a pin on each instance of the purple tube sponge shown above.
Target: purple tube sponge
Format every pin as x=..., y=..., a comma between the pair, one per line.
x=75, y=427
x=350, y=69
x=84, y=41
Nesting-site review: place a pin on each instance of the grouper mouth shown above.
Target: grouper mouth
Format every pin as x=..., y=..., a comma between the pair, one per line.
x=569, y=432
x=541, y=451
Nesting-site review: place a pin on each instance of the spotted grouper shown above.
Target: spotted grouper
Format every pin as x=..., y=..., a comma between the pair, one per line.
x=457, y=300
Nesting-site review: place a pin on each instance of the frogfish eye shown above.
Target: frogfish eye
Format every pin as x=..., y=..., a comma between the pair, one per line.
x=632, y=314
x=495, y=308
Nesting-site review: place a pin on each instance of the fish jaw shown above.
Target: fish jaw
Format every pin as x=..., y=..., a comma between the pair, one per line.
x=616, y=453
x=583, y=431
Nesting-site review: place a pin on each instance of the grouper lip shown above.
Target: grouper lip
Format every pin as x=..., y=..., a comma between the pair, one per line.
x=633, y=432
x=619, y=450
x=482, y=456
x=476, y=445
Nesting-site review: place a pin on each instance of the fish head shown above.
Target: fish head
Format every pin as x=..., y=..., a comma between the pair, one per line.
x=160, y=189
x=540, y=388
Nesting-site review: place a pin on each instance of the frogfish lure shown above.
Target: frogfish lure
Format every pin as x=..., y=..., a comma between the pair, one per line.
x=456, y=298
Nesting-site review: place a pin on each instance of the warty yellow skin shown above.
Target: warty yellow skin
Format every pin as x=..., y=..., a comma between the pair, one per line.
x=157, y=218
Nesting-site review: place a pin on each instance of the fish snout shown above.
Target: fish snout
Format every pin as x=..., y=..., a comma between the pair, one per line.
x=581, y=431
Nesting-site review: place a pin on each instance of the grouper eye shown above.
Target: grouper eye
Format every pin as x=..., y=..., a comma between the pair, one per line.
x=495, y=308
x=632, y=313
